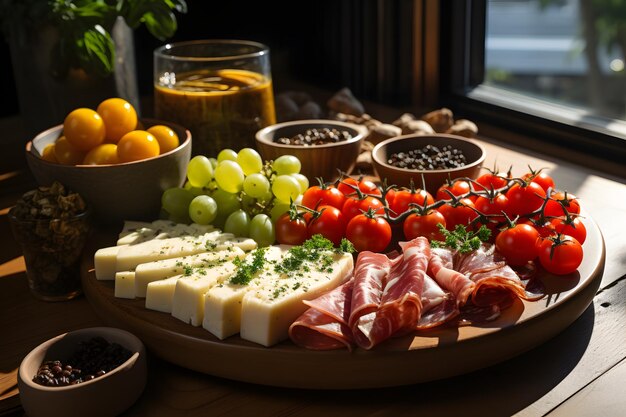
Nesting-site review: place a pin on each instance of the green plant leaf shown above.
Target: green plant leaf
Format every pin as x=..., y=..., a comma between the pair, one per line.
x=161, y=23
x=99, y=50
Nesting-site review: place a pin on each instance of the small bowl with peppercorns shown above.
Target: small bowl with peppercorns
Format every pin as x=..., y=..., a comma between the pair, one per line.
x=99, y=371
x=324, y=147
x=435, y=158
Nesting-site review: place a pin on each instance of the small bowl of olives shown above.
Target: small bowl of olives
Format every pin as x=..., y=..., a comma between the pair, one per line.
x=435, y=158
x=98, y=371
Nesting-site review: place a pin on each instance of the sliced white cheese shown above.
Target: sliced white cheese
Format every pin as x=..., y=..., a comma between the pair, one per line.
x=153, y=271
x=188, y=302
x=125, y=284
x=222, y=303
x=268, y=311
x=159, y=229
x=105, y=262
x=160, y=294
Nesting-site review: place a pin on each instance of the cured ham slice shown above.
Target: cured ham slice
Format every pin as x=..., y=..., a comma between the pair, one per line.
x=324, y=326
x=370, y=276
x=401, y=305
x=442, y=269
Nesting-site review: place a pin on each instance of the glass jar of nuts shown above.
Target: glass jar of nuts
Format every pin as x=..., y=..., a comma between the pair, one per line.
x=51, y=225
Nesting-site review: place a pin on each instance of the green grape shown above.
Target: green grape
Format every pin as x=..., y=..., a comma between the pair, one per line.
x=249, y=160
x=226, y=202
x=193, y=190
x=213, y=162
x=286, y=164
x=238, y=223
x=199, y=171
x=202, y=209
x=229, y=176
x=302, y=180
x=262, y=230
x=256, y=185
x=266, y=198
x=226, y=155
x=176, y=202
x=286, y=188
x=278, y=210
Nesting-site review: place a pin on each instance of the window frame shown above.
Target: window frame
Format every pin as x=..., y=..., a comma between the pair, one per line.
x=462, y=56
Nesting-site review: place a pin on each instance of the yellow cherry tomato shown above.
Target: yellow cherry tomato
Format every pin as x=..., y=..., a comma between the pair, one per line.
x=48, y=153
x=137, y=145
x=84, y=129
x=66, y=153
x=104, y=154
x=167, y=138
x=119, y=118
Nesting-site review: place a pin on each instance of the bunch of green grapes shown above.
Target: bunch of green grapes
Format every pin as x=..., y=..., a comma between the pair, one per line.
x=237, y=192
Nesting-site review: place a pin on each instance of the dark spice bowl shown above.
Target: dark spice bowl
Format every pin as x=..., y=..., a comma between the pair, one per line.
x=317, y=160
x=106, y=395
x=434, y=178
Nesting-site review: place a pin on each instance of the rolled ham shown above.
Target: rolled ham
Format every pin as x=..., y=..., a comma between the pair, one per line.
x=441, y=267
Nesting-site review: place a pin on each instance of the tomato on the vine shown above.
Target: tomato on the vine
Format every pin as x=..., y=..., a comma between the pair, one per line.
x=560, y=202
x=517, y=244
x=355, y=206
x=489, y=181
x=457, y=188
x=426, y=225
x=369, y=187
x=526, y=198
x=561, y=255
x=541, y=178
x=323, y=195
x=348, y=186
x=330, y=223
x=571, y=226
x=404, y=198
x=459, y=214
x=290, y=231
x=371, y=233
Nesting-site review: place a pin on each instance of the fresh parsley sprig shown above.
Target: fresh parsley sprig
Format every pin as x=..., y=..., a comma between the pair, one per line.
x=461, y=239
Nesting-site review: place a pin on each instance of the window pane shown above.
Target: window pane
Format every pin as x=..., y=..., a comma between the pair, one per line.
x=569, y=52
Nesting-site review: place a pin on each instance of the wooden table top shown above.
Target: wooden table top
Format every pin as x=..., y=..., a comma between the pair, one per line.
x=578, y=372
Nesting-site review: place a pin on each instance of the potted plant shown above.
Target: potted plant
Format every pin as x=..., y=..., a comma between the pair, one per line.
x=75, y=53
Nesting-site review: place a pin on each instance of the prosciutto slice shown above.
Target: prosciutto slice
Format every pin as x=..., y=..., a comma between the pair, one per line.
x=441, y=267
x=324, y=326
x=401, y=305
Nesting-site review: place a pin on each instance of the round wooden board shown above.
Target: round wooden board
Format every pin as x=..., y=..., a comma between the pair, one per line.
x=424, y=356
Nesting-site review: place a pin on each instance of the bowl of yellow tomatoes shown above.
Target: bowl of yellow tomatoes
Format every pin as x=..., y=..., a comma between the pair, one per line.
x=119, y=163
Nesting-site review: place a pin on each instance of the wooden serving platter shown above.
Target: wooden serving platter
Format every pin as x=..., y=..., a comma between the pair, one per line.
x=424, y=356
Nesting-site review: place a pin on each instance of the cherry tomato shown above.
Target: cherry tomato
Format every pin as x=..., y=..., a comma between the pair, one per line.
x=524, y=199
x=355, y=206
x=137, y=145
x=517, y=244
x=560, y=256
x=559, y=200
x=490, y=181
x=544, y=180
x=104, y=154
x=492, y=208
x=326, y=195
x=48, y=153
x=404, y=198
x=66, y=153
x=457, y=188
x=290, y=232
x=573, y=227
x=461, y=214
x=426, y=225
x=84, y=129
x=368, y=233
x=167, y=138
x=119, y=118
x=348, y=186
x=369, y=187
x=330, y=224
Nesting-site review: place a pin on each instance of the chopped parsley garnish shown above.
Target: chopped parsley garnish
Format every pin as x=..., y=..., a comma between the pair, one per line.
x=316, y=251
x=462, y=240
x=246, y=270
x=187, y=270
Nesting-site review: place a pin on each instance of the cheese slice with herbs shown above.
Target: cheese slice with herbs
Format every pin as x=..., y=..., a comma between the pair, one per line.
x=269, y=310
x=160, y=294
x=222, y=303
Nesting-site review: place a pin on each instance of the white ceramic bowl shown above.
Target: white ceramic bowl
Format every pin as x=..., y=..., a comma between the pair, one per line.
x=107, y=395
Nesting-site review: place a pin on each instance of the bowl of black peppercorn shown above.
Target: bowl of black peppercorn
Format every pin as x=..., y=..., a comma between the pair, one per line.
x=98, y=371
x=427, y=161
